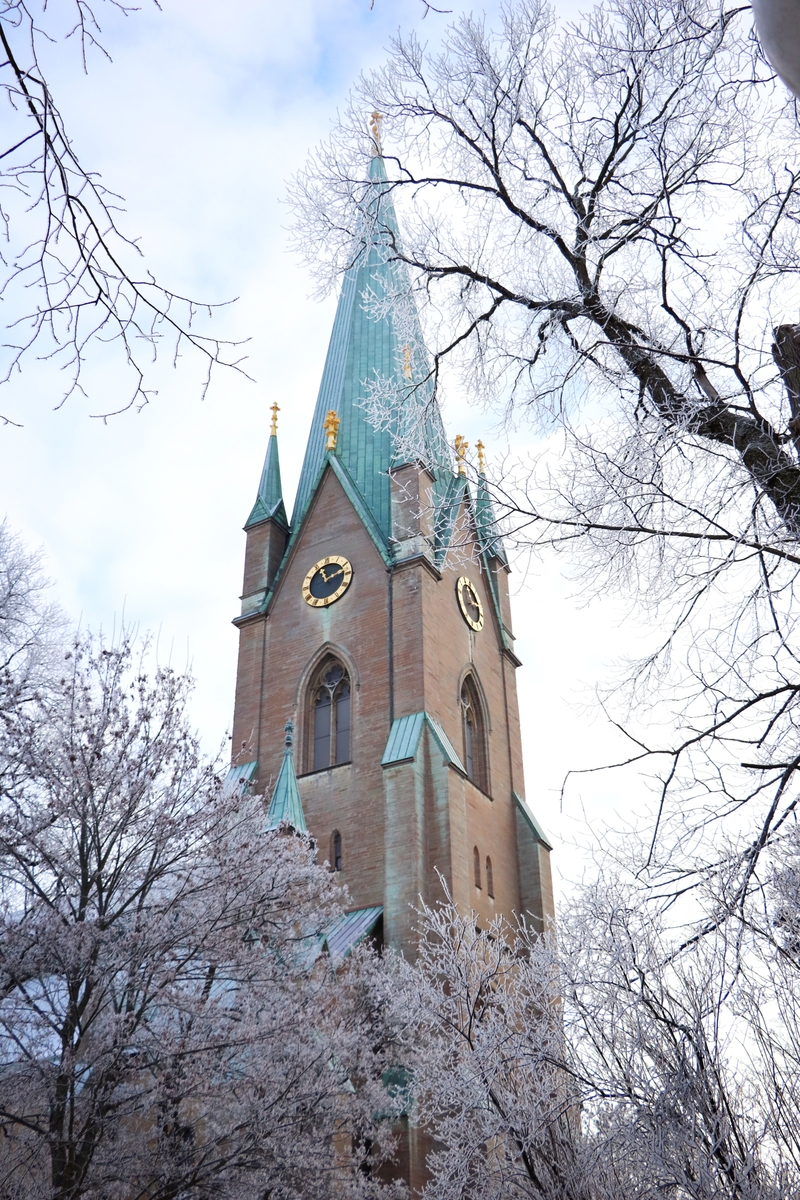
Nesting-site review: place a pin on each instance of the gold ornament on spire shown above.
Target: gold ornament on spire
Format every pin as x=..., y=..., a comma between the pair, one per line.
x=331, y=427
x=375, y=129
x=479, y=446
x=407, y=361
x=274, y=427
x=462, y=446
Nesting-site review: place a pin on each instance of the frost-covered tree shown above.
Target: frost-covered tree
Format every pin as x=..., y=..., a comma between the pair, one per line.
x=71, y=277
x=32, y=626
x=170, y=1024
x=619, y=1063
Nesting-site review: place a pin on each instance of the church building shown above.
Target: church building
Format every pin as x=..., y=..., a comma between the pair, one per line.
x=376, y=702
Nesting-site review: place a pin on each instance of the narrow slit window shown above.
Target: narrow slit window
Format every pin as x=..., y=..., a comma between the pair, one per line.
x=489, y=878
x=476, y=860
x=336, y=851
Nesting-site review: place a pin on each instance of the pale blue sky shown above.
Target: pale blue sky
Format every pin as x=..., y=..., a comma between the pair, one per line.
x=198, y=123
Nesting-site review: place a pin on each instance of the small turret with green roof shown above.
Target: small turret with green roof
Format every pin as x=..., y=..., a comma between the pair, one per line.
x=269, y=501
x=485, y=519
x=285, y=806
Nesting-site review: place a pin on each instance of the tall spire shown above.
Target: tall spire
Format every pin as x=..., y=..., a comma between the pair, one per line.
x=376, y=345
x=269, y=501
x=286, y=804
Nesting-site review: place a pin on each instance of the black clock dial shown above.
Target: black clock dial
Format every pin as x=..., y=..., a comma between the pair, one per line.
x=326, y=580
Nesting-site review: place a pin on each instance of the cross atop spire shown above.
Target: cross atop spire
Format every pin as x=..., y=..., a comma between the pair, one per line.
x=273, y=430
x=331, y=426
x=462, y=446
x=375, y=129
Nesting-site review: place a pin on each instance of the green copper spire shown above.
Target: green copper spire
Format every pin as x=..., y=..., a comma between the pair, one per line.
x=269, y=501
x=376, y=347
x=285, y=804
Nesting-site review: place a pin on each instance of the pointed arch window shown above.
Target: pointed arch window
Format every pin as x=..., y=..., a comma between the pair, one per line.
x=329, y=718
x=336, y=851
x=474, y=730
x=476, y=863
x=489, y=878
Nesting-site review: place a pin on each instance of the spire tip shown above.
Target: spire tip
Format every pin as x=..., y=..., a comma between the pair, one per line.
x=375, y=130
x=462, y=446
x=331, y=426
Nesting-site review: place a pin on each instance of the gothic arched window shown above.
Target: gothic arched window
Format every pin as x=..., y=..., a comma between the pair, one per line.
x=474, y=734
x=489, y=878
x=476, y=863
x=330, y=716
x=336, y=851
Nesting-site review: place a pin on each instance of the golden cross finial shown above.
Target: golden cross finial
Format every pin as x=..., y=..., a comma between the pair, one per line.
x=479, y=446
x=331, y=427
x=462, y=446
x=407, y=361
x=375, y=127
x=274, y=428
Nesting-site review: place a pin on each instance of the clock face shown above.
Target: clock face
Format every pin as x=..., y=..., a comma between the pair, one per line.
x=327, y=581
x=469, y=603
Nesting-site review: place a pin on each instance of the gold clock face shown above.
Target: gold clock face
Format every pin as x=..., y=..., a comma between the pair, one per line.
x=469, y=603
x=327, y=581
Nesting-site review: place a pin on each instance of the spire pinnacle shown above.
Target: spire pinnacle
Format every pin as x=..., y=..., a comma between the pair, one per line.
x=375, y=129
x=286, y=806
x=462, y=446
x=485, y=519
x=269, y=501
x=331, y=427
x=273, y=431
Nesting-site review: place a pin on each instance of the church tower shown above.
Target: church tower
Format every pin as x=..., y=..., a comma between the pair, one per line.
x=376, y=630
